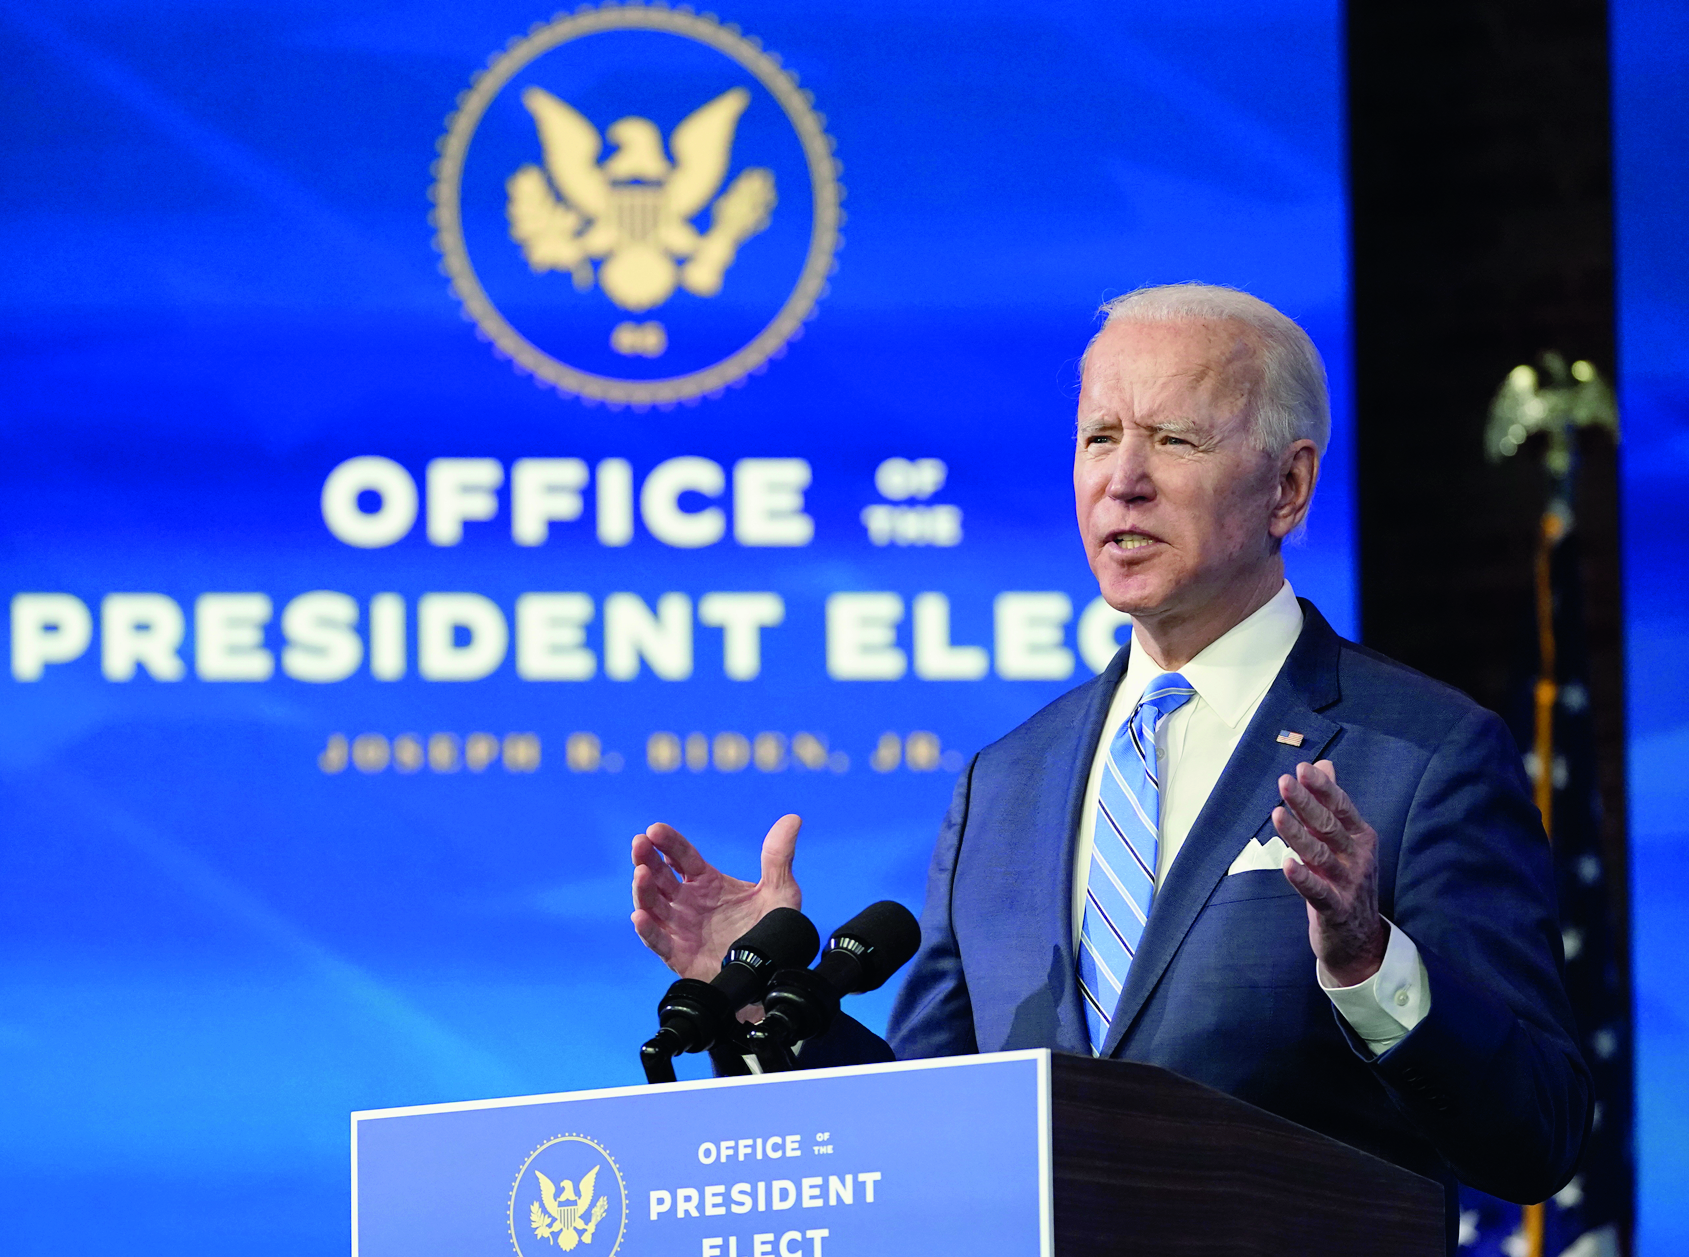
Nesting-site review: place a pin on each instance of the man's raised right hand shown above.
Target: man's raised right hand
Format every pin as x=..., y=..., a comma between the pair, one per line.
x=689, y=912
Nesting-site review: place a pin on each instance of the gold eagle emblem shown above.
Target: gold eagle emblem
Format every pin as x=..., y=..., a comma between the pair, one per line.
x=567, y=1217
x=632, y=213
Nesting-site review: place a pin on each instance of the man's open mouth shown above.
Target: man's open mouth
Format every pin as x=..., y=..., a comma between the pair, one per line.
x=1131, y=540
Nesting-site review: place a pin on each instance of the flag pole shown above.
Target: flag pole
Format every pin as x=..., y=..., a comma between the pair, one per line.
x=1573, y=398
x=1533, y=1218
x=1547, y=688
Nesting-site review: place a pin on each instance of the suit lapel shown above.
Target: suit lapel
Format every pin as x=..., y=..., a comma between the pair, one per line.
x=1241, y=802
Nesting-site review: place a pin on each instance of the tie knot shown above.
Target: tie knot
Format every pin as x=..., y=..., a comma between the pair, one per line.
x=1163, y=696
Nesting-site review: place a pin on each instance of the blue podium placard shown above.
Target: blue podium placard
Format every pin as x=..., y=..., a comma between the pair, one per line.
x=914, y=1157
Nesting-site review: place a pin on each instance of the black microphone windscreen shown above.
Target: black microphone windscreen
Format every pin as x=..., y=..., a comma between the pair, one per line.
x=784, y=939
x=885, y=935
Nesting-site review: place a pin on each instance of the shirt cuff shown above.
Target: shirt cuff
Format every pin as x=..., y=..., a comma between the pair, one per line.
x=1391, y=1002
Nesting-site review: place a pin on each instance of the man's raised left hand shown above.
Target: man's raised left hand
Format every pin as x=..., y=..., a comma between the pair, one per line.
x=1338, y=875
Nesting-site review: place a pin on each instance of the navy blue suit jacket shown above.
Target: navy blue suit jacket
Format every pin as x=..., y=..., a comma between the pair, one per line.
x=1489, y=1087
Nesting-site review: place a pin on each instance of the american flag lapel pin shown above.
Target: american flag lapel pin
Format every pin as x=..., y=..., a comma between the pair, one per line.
x=1289, y=737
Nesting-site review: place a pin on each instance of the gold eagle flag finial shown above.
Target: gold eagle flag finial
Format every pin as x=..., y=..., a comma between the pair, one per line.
x=632, y=212
x=567, y=1218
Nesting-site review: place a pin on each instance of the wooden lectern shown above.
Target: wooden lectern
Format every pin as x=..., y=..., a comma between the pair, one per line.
x=1183, y=1169
x=1023, y=1154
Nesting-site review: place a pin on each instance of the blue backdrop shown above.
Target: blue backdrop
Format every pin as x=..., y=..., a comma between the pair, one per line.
x=236, y=909
x=1651, y=126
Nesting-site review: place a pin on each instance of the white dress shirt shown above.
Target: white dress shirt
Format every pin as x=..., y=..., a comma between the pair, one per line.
x=1231, y=676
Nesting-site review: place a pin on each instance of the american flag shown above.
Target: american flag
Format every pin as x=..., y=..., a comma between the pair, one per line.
x=1552, y=720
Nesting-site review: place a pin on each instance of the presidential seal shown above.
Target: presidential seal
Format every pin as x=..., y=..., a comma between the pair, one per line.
x=568, y=1193
x=636, y=204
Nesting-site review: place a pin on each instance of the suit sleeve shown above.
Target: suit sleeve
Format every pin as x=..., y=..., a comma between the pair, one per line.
x=1492, y=1074
x=932, y=1015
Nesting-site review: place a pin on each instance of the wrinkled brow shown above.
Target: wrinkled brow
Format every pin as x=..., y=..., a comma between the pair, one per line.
x=1192, y=430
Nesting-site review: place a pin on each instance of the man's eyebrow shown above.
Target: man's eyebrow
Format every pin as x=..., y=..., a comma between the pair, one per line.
x=1186, y=429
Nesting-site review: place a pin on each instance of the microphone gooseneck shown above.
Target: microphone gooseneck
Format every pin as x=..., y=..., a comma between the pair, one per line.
x=694, y=1014
x=860, y=956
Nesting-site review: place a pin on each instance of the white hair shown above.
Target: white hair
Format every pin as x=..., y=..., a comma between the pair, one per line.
x=1289, y=400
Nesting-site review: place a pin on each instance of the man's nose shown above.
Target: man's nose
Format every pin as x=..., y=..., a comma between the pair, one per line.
x=1129, y=477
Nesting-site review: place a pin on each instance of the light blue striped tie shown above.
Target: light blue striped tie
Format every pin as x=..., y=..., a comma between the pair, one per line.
x=1121, y=880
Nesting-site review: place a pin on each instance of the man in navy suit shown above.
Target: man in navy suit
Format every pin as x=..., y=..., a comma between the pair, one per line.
x=1162, y=866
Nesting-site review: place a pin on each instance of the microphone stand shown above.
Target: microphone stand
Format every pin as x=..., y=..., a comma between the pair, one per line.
x=800, y=1004
x=772, y=1058
x=657, y=1055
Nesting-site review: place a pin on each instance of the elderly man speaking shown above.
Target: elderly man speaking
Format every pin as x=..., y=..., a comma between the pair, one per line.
x=1250, y=851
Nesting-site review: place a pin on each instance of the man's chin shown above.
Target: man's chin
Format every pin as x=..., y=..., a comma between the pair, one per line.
x=1138, y=597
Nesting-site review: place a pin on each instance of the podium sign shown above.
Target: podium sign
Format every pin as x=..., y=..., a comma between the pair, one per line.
x=918, y=1157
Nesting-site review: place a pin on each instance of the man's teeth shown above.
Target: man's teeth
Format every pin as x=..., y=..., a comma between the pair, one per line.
x=1132, y=543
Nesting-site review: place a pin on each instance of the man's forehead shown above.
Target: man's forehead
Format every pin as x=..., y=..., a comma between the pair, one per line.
x=1143, y=363
x=1186, y=349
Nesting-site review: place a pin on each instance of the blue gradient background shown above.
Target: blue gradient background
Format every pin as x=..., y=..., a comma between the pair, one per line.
x=1651, y=140
x=219, y=284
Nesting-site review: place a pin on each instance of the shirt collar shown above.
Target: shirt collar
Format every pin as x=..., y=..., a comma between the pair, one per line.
x=1232, y=672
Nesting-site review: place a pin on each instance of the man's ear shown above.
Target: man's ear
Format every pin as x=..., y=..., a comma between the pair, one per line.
x=1299, y=470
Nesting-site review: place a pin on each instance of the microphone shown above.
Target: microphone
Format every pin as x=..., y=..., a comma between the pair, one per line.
x=695, y=1014
x=861, y=955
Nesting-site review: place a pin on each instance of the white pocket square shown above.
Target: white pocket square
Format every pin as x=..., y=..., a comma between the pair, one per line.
x=1256, y=856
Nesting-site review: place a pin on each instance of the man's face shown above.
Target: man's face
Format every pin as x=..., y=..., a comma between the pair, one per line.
x=1176, y=505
